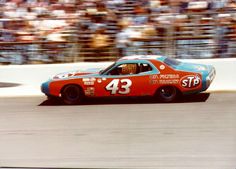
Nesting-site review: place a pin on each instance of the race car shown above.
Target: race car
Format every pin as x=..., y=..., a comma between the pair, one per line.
x=162, y=77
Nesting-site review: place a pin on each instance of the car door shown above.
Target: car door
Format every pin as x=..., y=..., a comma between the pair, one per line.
x=126, y=79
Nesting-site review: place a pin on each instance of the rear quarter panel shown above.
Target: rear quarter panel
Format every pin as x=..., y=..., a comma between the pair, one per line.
x=186, y=82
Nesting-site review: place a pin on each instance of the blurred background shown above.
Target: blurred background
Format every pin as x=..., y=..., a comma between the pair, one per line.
x=62, y=31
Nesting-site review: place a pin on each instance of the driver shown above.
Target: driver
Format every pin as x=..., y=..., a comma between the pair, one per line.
x=129, y=69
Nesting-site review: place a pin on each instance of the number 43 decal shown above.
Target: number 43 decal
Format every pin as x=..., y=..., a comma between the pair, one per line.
x=113, y=86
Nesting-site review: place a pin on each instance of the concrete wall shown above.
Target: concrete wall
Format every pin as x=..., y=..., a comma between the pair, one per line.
x=225, y=79
x=31, y=76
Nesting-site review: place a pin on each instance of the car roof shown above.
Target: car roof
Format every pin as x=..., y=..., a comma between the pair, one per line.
x=143, y=57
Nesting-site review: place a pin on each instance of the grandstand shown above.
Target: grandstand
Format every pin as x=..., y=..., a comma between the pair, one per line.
x=60, y=31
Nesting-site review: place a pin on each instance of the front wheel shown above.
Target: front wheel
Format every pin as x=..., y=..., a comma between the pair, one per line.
x=72, y=94
x=166, y=94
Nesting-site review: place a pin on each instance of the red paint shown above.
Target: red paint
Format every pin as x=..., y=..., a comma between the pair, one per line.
x=140, y=84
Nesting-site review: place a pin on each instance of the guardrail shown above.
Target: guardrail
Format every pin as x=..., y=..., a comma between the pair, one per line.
x=31, y=76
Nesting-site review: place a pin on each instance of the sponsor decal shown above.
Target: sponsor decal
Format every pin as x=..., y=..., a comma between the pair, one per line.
x=88, y=83
x=162, y=67
x=164, y=79
x=153, y=82
x=99, y=80
x=169, y=76
x=85, y=79
x=171, y=81
x=190, y=81
x=102, y=79
x=89, y=79
x=153, y=77
x=123, y=88
x=64, y=75
x=89, y=91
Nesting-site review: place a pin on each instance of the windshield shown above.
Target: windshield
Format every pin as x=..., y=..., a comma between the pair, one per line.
x=171, y=62
x=105, y=70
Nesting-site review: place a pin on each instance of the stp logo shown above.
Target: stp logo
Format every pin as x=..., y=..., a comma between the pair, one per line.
x=190, y=81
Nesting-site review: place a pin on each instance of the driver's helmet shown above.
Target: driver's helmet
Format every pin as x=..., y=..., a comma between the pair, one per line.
x=129, y=69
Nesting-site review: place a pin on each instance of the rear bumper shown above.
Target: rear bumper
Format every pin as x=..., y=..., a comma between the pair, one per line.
x=209, y=78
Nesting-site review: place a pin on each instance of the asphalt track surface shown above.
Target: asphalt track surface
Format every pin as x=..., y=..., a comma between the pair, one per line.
x=195, y=133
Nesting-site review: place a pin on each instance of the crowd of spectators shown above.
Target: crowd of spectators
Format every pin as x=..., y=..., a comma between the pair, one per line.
x=52, y=31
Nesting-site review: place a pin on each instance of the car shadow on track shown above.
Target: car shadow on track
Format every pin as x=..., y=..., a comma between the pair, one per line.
x=202, y=97
x=5, y=85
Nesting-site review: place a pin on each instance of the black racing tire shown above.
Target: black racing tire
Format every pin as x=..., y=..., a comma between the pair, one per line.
x=72, y=94
x=166, y=94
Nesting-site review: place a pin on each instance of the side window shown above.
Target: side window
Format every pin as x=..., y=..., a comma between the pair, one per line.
x=144, y=67
x=125, y=69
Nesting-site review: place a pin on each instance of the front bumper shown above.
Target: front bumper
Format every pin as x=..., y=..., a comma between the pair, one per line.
x=45, y=88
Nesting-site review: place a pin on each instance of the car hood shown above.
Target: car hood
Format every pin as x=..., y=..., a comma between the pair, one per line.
x=76, y=73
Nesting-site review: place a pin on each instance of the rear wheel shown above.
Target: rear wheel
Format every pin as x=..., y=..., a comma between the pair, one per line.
x=72, y=94
x=166, y=94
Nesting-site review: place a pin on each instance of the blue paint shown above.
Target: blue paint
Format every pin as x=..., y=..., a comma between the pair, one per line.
x=204, y=70
x=192, y=67
x=45, y=87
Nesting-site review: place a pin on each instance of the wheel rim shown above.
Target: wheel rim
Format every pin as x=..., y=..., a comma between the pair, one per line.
x=71, y=93
x=167, y=93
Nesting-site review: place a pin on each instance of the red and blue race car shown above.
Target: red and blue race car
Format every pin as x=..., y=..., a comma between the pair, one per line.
x=159, y=76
